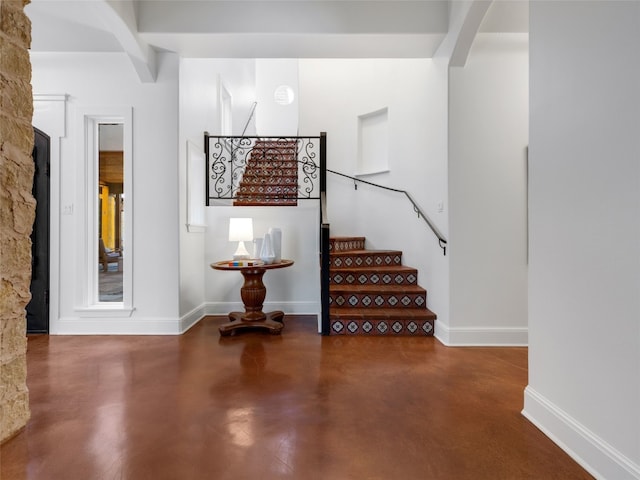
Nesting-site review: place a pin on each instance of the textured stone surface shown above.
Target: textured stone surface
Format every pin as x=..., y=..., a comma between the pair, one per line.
x=13, y=135
x=17, y=210
x=15, y=24
x=18, y=104
x=12, y=337
x=14, y=59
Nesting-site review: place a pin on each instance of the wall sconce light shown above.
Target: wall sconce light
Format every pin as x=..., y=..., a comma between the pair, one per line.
x=283, y=95
x=241, y=230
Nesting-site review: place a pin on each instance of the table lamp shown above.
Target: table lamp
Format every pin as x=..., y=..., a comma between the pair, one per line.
x=240, y=230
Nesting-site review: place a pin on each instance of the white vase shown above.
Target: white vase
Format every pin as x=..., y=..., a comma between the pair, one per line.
x=266, y=255
x=257, y=248
x=276, y=241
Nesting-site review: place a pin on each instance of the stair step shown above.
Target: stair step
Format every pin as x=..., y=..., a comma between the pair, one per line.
x=346, y=244
x=274, y=153
x=269, y=177
x=265, y=196
x=273, y=164
x=251, y=189
x=365, y=258
x=387, y=275
x=377, y=296
x=365, y=321
x=257, y=202
x=377, y=289
x=259, y=172
x=272, y=180
x=382, y=313
x=372, y=293
x=275, y=146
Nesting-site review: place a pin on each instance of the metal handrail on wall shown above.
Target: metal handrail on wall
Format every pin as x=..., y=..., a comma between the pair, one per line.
x=441, y=240
x=251, y=113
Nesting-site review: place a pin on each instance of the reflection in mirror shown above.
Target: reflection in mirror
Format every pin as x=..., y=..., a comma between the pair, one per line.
x=111, y=206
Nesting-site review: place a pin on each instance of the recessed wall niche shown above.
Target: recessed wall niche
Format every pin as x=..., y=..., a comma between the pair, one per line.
x=373, y=142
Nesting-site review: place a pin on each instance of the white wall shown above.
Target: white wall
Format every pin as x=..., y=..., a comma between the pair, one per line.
x=103, y=80
x=200, y=81
x=295, y=289
x=488, y=136
x=208, y=291
x=584, y=274
x=273, y=119
x=333, y=93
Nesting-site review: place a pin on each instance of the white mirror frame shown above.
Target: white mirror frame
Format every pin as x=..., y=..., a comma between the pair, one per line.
x=88, y=303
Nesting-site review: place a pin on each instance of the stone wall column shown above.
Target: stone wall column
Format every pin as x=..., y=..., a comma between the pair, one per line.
x=17, y=211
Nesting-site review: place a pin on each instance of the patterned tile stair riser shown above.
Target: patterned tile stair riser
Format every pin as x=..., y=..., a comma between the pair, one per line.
x=382, y=327
x=270, y=177
x=372, y=293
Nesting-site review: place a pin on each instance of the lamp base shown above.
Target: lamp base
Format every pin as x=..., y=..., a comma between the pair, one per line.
x=241, y=252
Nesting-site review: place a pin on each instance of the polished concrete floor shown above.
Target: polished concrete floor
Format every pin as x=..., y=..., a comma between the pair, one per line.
x=110, y=284
x=295, y=406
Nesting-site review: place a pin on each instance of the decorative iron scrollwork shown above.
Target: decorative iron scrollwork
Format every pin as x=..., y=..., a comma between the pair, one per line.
x=263, y=170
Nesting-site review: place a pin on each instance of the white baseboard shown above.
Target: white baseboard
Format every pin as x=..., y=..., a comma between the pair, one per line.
x=481, y=336
x=103, y=324
x=590, y=451
x=190, y=319
x=441, y=332
x=117, y=326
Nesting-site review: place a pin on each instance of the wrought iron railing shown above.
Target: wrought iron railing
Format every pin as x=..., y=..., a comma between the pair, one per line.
x=416, y=208
x=228, y=158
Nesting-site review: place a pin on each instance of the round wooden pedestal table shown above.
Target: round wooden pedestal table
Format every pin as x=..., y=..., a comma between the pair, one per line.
x=253, y=293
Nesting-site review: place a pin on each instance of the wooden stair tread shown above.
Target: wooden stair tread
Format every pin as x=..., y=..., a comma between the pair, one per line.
x=272, y=203
x=345, y=239
x=377, y=289
x=271, y=175
x=262, y=181
x=382, y=313
x=382, y=269
x=346, y=253
x=270, y=179
x=267, y=194
x=257, y=168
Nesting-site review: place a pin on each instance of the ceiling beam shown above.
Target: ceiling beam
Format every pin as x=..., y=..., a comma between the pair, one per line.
x=119, y=17
x=465, y=19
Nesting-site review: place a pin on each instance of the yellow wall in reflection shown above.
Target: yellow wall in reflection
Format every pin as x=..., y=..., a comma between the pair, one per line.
x=108, y=214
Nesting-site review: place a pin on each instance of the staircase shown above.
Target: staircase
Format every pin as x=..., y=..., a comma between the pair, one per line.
x=372, y=293
x=271, y=175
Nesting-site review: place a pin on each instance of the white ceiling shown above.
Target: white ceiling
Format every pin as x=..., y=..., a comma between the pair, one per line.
x=257, y=28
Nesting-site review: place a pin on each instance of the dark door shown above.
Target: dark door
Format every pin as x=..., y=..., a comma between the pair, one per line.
x=38, y=307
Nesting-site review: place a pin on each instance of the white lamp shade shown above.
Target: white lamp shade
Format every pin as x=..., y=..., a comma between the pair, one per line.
x=240, y=229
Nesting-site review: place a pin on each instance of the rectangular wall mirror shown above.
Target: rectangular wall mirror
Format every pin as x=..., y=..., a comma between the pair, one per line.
x=111, y=212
